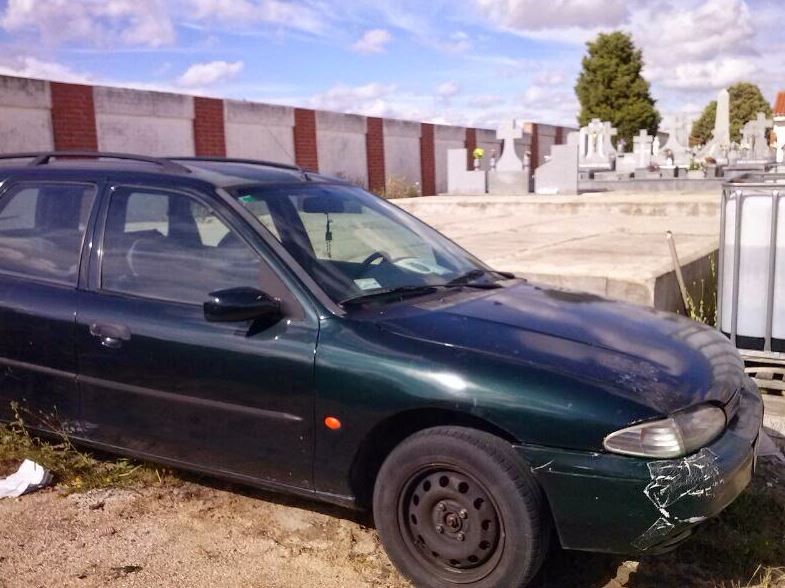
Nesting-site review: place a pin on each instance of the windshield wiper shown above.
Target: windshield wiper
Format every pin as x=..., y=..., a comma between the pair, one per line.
x=400, y=290
x=468, y=278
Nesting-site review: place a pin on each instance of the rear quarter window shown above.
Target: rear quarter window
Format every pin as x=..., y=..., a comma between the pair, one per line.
x=42, y=228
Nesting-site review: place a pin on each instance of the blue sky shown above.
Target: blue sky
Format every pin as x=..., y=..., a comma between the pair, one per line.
x=473, y=62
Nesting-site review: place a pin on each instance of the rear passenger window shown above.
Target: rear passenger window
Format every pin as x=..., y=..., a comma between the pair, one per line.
x=169, y=246
x=42, y=227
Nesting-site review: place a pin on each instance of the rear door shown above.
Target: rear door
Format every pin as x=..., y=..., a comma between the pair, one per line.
x=158, y=379
x=42, y=231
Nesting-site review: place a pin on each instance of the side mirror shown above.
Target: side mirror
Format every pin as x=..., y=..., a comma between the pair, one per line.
x=241, y=304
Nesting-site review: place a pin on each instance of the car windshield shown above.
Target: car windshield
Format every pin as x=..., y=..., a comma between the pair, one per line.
x=356, y=245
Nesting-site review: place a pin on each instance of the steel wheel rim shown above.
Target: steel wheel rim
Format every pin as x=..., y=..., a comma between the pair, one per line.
x=451, y=524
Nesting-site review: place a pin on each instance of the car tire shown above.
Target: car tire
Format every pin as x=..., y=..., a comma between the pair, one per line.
x=455, y=506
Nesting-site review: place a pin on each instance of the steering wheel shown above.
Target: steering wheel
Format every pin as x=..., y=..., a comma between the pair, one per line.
x=366, y=264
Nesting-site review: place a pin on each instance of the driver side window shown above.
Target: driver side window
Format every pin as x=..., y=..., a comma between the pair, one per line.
x=170, y=246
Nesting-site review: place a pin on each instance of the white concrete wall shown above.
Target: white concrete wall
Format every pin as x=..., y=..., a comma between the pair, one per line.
x=445, y=138
x=151, y=123
x=25, y=115
x=259, y=131
x=402, y=150
x=340, y=146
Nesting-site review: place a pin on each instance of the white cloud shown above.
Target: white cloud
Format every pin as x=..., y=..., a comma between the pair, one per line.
x=704, y=47
x=448, y=89
x=536, y=15
x=483, y=101
x=108, y=22
x=373, y=41
x=243, y=13
x=31, y=67
x=208, y=74
x=457, y=42
x=370, y=99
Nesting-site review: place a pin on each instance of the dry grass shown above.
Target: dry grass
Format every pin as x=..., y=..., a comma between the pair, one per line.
x=398, y=187
x=73, y=470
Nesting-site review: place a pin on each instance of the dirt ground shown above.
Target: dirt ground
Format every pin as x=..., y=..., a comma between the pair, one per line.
x=199, y=532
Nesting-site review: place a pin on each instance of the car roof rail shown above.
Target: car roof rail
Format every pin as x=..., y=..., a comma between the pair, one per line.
x=43, y=158
x=241, y=160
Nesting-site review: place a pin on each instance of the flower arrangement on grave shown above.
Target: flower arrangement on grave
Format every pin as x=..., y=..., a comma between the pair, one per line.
x=478, y=154
x=694, y=165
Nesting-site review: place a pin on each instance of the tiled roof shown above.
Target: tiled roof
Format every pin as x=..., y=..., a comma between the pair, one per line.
x=779, y=104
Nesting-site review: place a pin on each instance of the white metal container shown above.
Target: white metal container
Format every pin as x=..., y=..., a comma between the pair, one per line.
x=751, y=296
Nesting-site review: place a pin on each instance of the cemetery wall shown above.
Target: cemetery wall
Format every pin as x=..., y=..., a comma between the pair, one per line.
x=259, y=131
x=37, y=115
x=446, y=137
x=25, y=120
x=152, y=123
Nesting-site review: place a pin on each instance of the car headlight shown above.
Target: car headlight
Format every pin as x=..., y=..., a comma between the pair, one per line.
x=681, y=434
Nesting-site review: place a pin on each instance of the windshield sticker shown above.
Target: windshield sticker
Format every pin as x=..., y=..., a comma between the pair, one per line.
x=367, y=284
x=246, y=199
x=673, y=480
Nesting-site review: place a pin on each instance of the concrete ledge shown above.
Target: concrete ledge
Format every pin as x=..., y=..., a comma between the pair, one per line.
x=666, y=204
x=254, y=113
x=655, y=185
x=24, y=93
x=451, y=134
x=337, y=122
x=142, y=103
x=401, y=128
x=609, y=244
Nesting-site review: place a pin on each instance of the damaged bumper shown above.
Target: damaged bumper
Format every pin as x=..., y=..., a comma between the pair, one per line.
x=619, y=504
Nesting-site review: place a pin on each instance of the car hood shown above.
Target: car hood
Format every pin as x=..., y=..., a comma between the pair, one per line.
x=659, y=359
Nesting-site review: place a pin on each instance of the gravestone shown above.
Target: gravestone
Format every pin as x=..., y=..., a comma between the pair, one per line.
x=509, y=177
x=508, y=133
x=595, y=149
x=720, y=136
x=461, y=180
x=559, y=175
x=641, y=149
x=755, y=147
x=675, y=151
x=778, y=138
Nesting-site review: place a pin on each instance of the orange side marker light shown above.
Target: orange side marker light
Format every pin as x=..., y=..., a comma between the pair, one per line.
x=332, y=423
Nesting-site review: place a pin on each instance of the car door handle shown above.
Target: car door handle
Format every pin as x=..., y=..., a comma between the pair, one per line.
x=111, y=336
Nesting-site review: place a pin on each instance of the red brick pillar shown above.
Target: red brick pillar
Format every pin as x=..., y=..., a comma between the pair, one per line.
x=559, y=136
x=305, y=154
x=209, y=132
x=427, y=159
x=535, y=147
x=73, y=117
x=374, y=153
x=471, y=144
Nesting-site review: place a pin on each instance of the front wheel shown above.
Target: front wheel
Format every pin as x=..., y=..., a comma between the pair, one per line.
x=457, y=507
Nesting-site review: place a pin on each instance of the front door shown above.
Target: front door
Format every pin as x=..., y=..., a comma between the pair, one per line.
x=42, y=228
x=158, y=379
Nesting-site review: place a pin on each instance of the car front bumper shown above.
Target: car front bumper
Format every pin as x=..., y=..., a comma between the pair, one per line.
x=618, y=504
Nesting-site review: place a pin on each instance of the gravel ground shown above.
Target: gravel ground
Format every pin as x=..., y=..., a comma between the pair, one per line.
x=197, y=532
x=184, y=534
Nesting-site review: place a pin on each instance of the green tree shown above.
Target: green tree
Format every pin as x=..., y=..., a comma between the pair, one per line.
x=746, y=101
x=610, y=87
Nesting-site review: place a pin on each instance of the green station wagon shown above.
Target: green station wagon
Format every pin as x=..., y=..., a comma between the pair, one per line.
x=271, y=326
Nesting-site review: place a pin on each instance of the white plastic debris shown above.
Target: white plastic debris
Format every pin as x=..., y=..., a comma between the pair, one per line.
x=28, y=478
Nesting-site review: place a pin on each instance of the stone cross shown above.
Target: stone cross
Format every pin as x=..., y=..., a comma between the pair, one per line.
x=508, y=132
x=754, y=137
x=641, y=147
x=596, y=148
